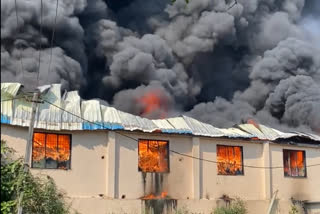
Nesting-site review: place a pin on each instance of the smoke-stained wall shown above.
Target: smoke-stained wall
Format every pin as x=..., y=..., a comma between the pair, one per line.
x=259, y=59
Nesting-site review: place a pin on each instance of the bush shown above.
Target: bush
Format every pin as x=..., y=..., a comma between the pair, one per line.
x=40, y=193
x=236, y=207
x=294, y=210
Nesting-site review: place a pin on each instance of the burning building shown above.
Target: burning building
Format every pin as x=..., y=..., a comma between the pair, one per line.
x=109, y=161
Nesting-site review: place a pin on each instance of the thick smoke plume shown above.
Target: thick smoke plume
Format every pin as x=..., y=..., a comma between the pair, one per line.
x=260, y=59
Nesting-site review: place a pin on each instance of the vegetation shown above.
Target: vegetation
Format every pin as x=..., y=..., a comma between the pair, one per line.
x=236, y=207
x=182, y=210
x=40, y=193
x=294, y=210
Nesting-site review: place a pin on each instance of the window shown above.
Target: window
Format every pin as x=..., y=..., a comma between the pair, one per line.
x=153, y=156
x=294, y=163
x=51, y=151
x=229, y=160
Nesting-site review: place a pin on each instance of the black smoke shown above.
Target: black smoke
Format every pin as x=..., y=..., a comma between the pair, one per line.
x=260, y=59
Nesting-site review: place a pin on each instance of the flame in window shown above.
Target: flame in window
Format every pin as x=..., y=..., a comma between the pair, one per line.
x=294, y=163
x=51, y=151
x=153, y=156
x=229, y=160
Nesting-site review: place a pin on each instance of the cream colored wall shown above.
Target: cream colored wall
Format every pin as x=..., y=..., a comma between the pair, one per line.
x=177, y=183
x=299, y=188
x=248, y=186
x=90, y=175
x=87, y=176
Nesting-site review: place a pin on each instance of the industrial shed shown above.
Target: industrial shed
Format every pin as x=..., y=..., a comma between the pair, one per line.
x=108, y=161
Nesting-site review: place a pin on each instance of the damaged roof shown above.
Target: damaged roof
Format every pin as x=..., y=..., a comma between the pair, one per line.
x=15, y=111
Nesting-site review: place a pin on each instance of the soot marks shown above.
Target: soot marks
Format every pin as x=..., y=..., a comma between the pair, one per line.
x=160, y=206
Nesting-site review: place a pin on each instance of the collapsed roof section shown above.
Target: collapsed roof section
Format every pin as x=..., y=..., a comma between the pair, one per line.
x=91, y=115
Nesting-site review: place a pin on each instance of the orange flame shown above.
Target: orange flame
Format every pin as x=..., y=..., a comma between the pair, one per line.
x=229, y=160
x=153, y=156
x=53, y=146
x=294, y=163
x=152, y=196
x=253, y=122
x=154, y=102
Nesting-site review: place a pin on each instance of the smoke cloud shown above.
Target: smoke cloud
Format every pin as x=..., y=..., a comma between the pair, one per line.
x=260, y=59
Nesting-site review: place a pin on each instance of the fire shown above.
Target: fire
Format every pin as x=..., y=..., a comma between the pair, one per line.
x=51, y=146
x=229, y=160
x=153, y=156
x=253, y=122
x=152, y=196
x=154, y=103
x=294, y=163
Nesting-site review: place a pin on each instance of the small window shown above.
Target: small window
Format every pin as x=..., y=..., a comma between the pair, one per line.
x=51, y=151
x=153, y=156
x=229, y=160
x=294, y=163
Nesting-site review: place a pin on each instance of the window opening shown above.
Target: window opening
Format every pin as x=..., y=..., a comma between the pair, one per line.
x=51, y=151
x=153, y=156
x=229, y=160
x=294, y=163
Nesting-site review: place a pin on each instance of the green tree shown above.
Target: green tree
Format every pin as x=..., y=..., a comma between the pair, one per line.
x=41, y=195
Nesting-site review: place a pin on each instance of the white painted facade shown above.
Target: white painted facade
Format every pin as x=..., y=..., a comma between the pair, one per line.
x=104, y=176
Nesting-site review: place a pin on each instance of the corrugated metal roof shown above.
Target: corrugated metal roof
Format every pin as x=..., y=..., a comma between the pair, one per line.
x=236, y=133
x=71, y=104
x=98, y=116
x=202, y=129
x=249, y=128
x=90, y=111
x=8, y=91
x=48, y=116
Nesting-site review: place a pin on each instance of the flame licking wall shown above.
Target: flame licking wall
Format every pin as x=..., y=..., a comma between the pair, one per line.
x=259, y=60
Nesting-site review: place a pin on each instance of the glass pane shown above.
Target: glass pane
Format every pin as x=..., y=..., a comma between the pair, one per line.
x=238, y=160
x=38, y=150
x=300, y=163
x=64, y=152
x=287, y=171
x=222, y=159
x=143, y=150
x=51, y=151
x=163, y=156
x=293, y=163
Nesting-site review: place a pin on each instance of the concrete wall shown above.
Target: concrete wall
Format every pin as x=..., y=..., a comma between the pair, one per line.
x=104, y=165
x=87, y=176
x=299, y=188
x=131, y=182
x=247, y=186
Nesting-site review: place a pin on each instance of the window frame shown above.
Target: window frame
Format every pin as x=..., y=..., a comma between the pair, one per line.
x=241, y=149
x=45, y=144
x=304, y=163
x=168, y=155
